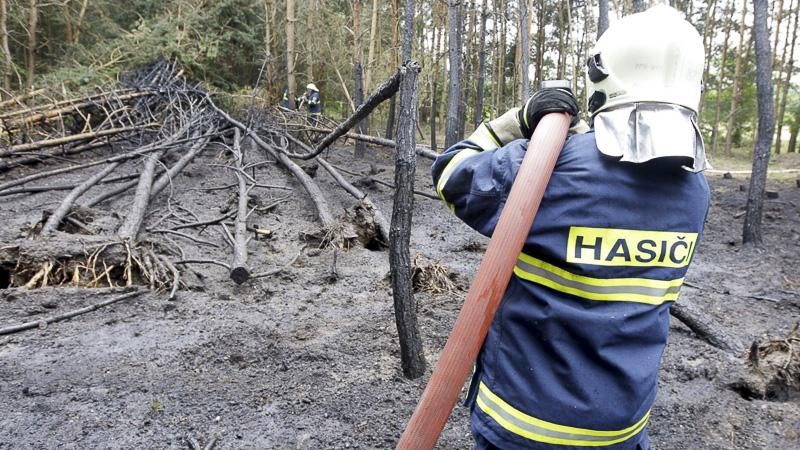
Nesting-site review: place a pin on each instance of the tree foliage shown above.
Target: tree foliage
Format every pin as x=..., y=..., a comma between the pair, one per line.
x=225, y=43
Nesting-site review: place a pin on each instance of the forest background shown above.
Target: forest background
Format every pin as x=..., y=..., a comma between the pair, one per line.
x=347, y=47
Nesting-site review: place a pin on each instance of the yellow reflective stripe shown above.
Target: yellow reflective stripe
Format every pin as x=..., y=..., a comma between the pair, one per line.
x=639, y=290
x=448, y=170
x=540, y=430
x=484, y=138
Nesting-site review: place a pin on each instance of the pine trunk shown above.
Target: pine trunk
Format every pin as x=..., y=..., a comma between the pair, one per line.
x=793, y=130
x=78, y=25
x=479, y=92
x=390, y=116
x=454, y=85
x=785, y=86
x=737, y=84
x=602, y=19
x=33, y=18
x=68, y=36
x=290, y=79
x=358, y=90
x=405, y=308
x=766, y=126
x=311, y=54
x=5, y=53
x=721, y=78
x=373, y=38
x=711, y=8
x=466, y=64
x=540, y=44
x=525, y=51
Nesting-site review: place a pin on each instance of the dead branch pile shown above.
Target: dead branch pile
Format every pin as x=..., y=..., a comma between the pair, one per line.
x=127, y=145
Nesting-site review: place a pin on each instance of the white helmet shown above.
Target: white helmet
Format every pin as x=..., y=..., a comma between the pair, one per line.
x=653, y=56
x=312, y=87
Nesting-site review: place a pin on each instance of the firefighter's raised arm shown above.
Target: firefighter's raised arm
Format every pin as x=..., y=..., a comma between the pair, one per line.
x=474, y=176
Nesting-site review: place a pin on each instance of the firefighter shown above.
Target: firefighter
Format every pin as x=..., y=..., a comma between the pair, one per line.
x=285, y=99
x=311, y=99
x=572, y=357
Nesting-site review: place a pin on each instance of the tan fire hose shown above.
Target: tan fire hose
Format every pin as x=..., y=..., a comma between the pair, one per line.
x=488, y=286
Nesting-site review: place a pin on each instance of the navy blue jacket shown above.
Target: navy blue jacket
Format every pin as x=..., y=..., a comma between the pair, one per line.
x=572, y=356
x=314, y=103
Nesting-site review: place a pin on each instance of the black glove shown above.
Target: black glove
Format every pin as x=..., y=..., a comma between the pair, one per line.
x=543, y=102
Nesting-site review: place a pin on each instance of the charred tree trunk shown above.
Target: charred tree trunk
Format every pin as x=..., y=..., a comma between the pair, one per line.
x=323, y=211
x=390, y=118
x=358, y=94
x=454, y=85
x=434, y=113
x=384, y=91
x=766, y=125
x=479, y=92
x=412, y=357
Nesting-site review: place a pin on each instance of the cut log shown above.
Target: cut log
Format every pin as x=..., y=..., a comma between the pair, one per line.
x=420, y=149
x=323, y=211
x=43, y=322
x=33, y=158
x=44, y=116
x=105, y=195
x=16, y=149
x=48, y=106
x=240, y=272
x=62, y=187
x=196, y=148
x=55, y=219
x=703, y=326
x=130, y=227
x=49, y=173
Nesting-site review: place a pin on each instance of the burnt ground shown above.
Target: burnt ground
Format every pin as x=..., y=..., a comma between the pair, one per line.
x=298, y=360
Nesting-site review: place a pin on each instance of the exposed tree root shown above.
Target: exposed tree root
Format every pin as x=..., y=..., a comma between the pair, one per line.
x=432, y=276
x=90, y=262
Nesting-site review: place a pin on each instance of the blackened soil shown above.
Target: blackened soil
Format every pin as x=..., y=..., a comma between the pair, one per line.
x=297, y=361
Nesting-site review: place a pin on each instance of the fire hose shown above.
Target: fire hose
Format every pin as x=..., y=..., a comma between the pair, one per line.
x=488, y=286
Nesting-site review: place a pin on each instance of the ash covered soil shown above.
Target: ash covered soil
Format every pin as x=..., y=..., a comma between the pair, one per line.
x=302, y=360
